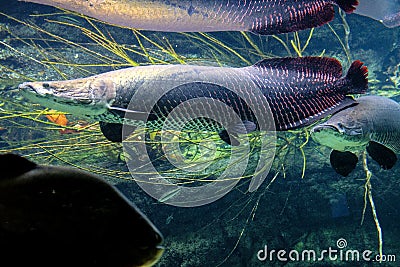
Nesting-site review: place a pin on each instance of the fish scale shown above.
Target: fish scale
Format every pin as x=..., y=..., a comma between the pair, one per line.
x=385, y=131
x=272, y=78
x=262, y=17
x=284, y=91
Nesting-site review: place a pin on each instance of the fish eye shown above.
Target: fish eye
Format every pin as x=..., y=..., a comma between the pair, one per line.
x=46, y=85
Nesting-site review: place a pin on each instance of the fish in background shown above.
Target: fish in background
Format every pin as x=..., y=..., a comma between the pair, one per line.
x=59, y=119
x=63, y=217
x=261, y=17
x=297, y=91
x=386, y=11
x=372, y=124
x=339, y=206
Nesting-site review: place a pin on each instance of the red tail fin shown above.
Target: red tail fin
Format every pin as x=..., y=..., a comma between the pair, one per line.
x=358, y=78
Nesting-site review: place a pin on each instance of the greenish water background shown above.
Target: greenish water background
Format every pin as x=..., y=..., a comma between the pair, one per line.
x=292, y=213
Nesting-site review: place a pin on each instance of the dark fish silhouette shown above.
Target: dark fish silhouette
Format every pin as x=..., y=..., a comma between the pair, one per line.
x=58, y=216
x=372, y=124
x=299, y=91
x=262, y=17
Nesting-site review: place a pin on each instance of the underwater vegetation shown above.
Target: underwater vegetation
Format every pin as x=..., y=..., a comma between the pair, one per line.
x=301, y=204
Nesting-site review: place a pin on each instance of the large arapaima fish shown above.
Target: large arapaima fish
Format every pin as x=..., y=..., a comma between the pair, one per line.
x=262, y=17
x=296, y=91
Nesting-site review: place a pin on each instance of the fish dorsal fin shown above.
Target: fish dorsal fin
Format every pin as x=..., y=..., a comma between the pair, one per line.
x=304, y=90
x=310, y=66
x=384, y=156
x=12, y=165
x=343, y=162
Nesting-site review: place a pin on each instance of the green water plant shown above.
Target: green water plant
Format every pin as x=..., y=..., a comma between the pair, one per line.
x=368, y=194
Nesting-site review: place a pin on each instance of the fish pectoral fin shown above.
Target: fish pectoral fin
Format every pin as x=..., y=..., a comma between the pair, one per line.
x=132, y=114
x=385, y=157
x=113, y=131
x=230, y=137
x=343, y=162
x=12, y=165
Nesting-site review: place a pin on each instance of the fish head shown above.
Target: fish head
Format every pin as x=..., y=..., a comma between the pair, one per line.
x=87, y=96
x=343, y=132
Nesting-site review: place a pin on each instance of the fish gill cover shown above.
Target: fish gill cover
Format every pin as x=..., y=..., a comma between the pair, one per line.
x=41, y=43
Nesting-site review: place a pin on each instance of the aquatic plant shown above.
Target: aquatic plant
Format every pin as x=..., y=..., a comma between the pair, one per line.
x=368, y=194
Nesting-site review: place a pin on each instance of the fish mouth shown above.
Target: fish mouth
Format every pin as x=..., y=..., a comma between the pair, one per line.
x=45, y=96
x=327, y=135
x=320, y=128
x=338, y=129
x=158, y=252
x=29, y=91
x=56, y=90
x=336, y=138
x=56, y=95
x=27, y=87
x=149, y=256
